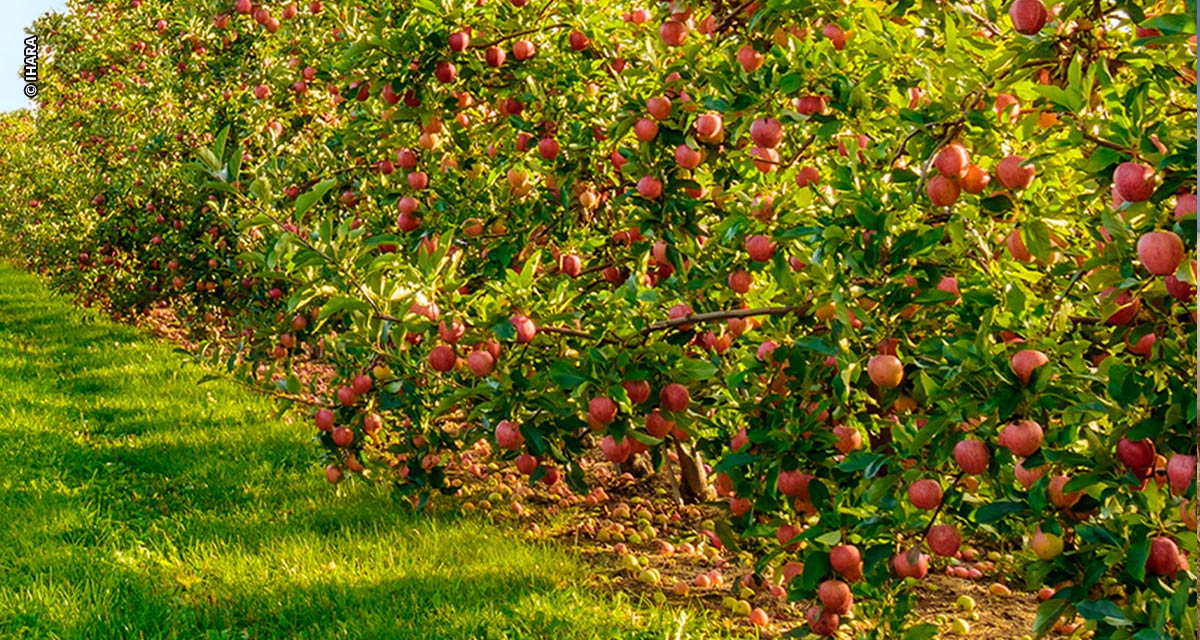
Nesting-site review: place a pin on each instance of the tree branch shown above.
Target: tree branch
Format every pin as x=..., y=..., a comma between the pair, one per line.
x=725, y=315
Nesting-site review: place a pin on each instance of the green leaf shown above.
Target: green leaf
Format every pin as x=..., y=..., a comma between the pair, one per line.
x=1171, y=23
x=261, y=189
x=566, y=375
x=1036, y=235
x=1105, y=610
x=816, y=567
x=993, y=512
x=923, y=631
x=1047, y=614
x=725, y=535
x=734, y=460
x=307, y=199
x=693, y=369
x=790, y=83
x=1135, y=560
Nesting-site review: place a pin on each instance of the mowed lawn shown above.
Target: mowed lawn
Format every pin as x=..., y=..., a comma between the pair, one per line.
x=138, y=504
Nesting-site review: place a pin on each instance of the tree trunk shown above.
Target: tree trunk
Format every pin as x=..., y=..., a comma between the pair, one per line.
x=694, y=486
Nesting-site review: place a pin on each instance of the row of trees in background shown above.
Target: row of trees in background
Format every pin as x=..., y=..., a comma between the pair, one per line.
x=881, y=277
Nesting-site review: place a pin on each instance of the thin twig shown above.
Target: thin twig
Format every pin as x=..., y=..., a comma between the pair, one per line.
x=724, y=315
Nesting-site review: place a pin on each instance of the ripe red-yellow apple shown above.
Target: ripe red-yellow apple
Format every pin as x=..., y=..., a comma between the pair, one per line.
x=526, y=329
x=1161, y=252
x=1059, y=497
x=1046, y=546
x=710, y=127
x=673, y=32
x=760, y=248
x=674, y=397
x=442, y=358
x=952, y=161
x=806, y=176
x=1164, y=557
x=1027, y=477
x=942, y=191
x=615, y=451
x=886, y=371
x=1181, y=472
x=1011, y=174
x=821, y=622
x=602, y=410
x=480, y=363
x=1127, y=306
x=1028, y=16
x=975, y=180
x=523, y=49
x=508, y=436
x=1022, y=437
x=944, y=539
x=1025, y=361
x=343, y=436
x=333, y=474
x=659, y=107
x=649, y=187
x=972, y=456
x=835, y=596
x=847, y=561
x=835, y=34
x=766, y=132
x=906, y=569
x=324, y=419
x=1138, y=455
x=741, y=281
x=1134, y=182
x=645, y=129
x=750, y=59
x=925, y=494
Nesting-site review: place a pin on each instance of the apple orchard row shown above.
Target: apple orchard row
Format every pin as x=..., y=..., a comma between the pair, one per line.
x=881, y=279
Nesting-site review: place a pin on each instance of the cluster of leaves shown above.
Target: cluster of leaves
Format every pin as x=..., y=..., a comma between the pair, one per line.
x=498, y=212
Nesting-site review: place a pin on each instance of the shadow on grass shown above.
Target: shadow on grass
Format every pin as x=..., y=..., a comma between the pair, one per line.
x=140, y=505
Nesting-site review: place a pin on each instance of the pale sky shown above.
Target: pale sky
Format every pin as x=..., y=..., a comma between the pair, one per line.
x=15, y=16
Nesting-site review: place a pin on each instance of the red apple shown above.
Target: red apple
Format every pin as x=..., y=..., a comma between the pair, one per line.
x=1025, y=361
x=886, y=371
x=975, y=180
x=1181, y=472
x=659, y=107
x=750, y=59
x=480, y=363
x=442, y=358
x=1010, y=172
x=835, y=596
x=972, y=456
x=952, y=161
x=1161, y=252
x=649, y=187
x=1134, y=182
x=766, y=132
x=673, y=32
x=508, y=436
x=523, y=49
x=1164, y=557
x=942, y=191
x=760, y=248
x=1022, y=438
x=1028, y=16
x=944, y=539
x=602, y=410
x=525, y=327
x=925, y=494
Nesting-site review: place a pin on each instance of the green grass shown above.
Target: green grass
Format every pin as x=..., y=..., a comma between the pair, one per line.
x=137, y=504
